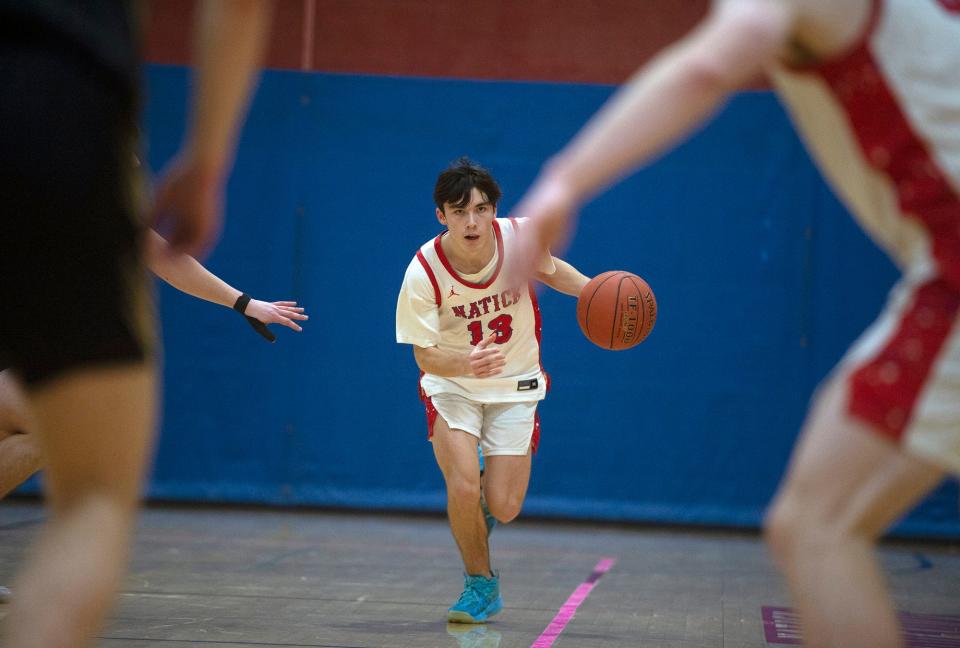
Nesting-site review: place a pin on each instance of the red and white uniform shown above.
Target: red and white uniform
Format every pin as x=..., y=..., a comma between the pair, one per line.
x=883, y=122
x=439, y=307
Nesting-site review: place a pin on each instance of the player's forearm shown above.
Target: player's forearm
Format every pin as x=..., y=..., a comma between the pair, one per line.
x=565, y=279
x=229, y=41
x=651, y=113
x=185, y=273
x=667, y=99
x=447, y=364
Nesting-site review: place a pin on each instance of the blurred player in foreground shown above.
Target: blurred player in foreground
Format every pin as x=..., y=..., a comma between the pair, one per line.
x=77, y=330
x=873, y=87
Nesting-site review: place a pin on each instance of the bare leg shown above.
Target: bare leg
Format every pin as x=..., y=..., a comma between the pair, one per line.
x=95, y=428
x=505, y=484
x=845, y=486
x=456, y=453
x=19, y=454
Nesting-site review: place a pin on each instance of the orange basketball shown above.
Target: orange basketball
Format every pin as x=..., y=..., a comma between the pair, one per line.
x=616, y=310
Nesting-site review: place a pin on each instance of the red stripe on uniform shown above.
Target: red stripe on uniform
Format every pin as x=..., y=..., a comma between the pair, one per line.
x=885, y=391
x=538, y=331
x=432, y=415
x=430, y=275
x=953, y=6
x=431, y=410
x=535, y=439
x=893, y=148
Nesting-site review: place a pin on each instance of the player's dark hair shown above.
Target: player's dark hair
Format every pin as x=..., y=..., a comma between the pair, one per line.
x=456, y=182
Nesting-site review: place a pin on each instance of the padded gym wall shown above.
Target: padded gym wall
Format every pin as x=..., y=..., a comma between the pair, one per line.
x=761, y=278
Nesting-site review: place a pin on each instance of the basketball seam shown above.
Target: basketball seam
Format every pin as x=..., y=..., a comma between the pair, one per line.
x=643, y=308
x=586, y=316
x=616, y=309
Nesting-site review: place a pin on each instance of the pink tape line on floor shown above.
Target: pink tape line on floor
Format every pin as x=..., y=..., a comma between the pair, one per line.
x=568, y=609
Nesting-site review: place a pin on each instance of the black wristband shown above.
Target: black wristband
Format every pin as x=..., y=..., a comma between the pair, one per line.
x=241, y=304
x=261, y=328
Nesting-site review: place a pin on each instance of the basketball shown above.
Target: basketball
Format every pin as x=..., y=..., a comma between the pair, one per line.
x=616, y=310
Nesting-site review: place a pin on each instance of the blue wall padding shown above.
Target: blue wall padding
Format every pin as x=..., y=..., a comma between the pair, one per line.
x=761, y=278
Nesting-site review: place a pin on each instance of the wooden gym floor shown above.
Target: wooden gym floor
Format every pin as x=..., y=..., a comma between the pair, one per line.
x=236, y=578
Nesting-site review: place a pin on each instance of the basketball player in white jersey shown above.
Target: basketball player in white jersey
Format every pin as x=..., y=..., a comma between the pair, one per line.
x=874, y=89
x=476, y=339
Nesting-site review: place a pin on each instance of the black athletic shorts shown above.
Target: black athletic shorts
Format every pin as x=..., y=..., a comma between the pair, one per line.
x=73, y=291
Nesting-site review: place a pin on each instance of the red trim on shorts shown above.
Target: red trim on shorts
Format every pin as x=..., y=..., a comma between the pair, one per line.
x=535, y=438
x=428, y=404
x=432, y=415
x=453, y=273
x=885, y=391
x=430, y=275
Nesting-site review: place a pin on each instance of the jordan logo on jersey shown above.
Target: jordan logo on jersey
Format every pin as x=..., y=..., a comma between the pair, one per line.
x=452, y=292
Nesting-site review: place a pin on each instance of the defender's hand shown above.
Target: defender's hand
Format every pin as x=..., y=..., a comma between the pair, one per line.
x=281, y=312
x=551, y=210
x=188, y=207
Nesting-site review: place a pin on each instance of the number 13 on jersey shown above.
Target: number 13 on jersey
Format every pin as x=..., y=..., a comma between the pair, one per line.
x=501, y=325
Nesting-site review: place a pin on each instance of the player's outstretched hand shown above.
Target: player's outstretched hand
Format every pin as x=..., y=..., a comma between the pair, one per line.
x=281, y=312
x=486, y=361
x=188, y=207
x=551, y=209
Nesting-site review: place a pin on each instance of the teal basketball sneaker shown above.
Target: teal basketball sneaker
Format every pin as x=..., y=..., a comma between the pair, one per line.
x=480, y=600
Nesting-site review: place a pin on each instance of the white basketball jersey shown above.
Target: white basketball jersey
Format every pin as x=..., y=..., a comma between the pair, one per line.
x=439, y=307
x=883, y=121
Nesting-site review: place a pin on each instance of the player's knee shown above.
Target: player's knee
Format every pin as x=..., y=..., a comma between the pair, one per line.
x=509, y=514
x=798, y=525
x=463, y=489
x=506, y=509
x=795, y=524
x=779, y=528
